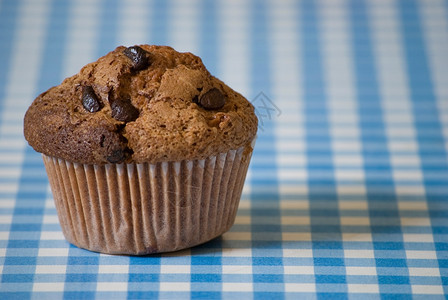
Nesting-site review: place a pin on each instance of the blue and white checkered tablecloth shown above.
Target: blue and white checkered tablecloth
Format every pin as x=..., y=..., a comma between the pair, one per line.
x=347, y=193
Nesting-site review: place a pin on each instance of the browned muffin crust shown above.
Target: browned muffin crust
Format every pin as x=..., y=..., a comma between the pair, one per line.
x=140, y=104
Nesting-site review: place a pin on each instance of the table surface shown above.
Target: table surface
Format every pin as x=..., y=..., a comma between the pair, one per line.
x=347, y=193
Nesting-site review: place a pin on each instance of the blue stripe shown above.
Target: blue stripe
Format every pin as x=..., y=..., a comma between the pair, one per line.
x=140, y=283
x=445, y=8
x=82, y=274
x=49, y=74
x=315, y=104
x=261, y=82
x=107, y=38
x=8, y=23
x=55, y=46
x=422, y=96
x=158, y=17
x=206, y=273
x=208, y=37
x=367, y=93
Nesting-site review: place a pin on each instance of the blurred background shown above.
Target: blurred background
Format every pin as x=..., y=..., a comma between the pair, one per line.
x=348, y=186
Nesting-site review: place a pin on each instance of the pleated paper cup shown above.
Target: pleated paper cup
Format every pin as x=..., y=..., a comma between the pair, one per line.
x=147, y=208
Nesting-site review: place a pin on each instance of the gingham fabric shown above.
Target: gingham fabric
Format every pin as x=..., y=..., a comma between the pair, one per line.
x=347, y=193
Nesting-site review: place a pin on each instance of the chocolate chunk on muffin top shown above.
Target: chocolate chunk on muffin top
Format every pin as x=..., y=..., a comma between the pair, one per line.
x=140, y=104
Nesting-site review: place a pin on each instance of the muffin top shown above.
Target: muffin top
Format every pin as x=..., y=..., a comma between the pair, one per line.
x=140, y=104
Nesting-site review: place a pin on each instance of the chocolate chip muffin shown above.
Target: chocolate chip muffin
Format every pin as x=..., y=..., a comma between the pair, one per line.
x=145, y=151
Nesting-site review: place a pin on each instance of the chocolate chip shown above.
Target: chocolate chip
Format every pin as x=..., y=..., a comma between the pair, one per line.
x=138, y=56
x=89, y=99
x=213, y=99
x=123, y=110
x=116, y=156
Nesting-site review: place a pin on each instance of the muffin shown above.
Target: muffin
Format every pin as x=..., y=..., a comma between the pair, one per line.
x=145, y=151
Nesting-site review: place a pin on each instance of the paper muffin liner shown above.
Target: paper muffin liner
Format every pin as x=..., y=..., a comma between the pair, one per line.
x=147, y=208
